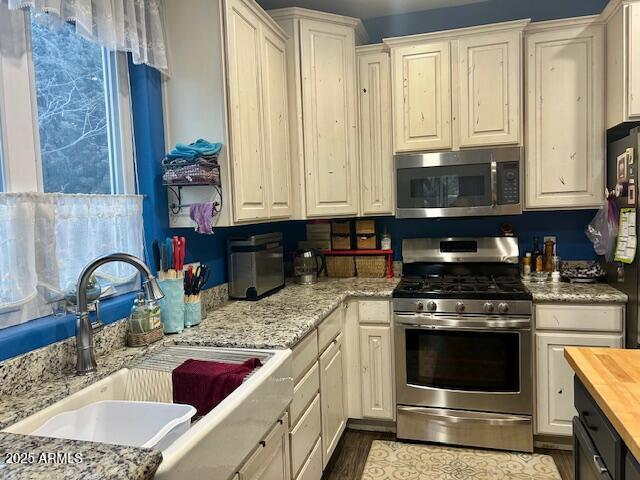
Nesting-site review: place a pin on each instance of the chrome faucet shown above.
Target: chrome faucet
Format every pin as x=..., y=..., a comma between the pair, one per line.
x=85, y=347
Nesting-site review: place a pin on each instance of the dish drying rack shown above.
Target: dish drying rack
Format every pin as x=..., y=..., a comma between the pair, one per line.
x=150, y=377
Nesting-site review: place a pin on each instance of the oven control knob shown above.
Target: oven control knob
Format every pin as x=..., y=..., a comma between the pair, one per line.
x=460, y=307
x=503, y=307
x=419, y=307
x=488, y=307
x=432, y=306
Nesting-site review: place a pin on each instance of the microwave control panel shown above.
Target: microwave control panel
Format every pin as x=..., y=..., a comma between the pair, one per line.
x=508, y=183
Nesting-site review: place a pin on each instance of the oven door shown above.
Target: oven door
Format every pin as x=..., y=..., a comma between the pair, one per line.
x=467, y=183
x=471, y=362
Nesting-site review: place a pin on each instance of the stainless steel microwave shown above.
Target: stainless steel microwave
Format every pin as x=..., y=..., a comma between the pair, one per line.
x=456, y=184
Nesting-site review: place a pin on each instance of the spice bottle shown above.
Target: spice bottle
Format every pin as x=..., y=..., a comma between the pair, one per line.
x=526, y=264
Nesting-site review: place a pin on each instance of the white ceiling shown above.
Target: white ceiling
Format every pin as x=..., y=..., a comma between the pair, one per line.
x=366, y=8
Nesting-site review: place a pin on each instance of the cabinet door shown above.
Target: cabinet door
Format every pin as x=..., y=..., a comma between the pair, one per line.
x=565, y=131
x=634, y=59
x=421, y=87
x=554, y=378
x=329, y=118
x=377, y=374
x=376, y=153
x=271, y=460
x=334, y=418
x=490, y=89
x=244, y=39
x=276, y=124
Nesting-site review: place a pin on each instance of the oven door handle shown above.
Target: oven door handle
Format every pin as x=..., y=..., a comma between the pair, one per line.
x=453, y=416
x=426, y=321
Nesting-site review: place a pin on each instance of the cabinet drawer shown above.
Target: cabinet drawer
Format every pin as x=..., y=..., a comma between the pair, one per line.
x=601, y=318
x=606, y=440
x=304, y=435
x=304, y=392
x=330, y=328
x=374, y=311
x=312, y=468
x=304, y=355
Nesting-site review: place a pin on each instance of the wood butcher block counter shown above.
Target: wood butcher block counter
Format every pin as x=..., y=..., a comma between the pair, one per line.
x=612, y=377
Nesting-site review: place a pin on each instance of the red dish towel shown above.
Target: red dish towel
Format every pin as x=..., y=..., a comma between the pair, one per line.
x=205, y=384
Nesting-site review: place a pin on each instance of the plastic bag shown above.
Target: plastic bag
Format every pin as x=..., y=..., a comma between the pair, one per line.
x=603, y=229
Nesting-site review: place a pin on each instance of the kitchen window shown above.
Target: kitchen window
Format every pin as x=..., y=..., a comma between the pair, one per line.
x=65, y=129
x=69, y=105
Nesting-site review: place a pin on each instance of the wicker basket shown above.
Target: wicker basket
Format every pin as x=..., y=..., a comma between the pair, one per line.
x=144, y=339
x=203, y=173
x=371, y=266
x=341, y=266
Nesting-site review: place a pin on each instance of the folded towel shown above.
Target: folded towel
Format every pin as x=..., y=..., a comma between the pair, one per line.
x=199, y=148
x=204, y=384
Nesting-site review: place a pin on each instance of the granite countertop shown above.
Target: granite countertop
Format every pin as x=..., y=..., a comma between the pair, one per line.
x=612, y=377
x=275, y=322
x=575, y=292
x=282, y=319
x=54, y=458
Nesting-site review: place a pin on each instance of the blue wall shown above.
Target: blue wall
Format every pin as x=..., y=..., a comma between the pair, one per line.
x=490, y=11
x=567, y=226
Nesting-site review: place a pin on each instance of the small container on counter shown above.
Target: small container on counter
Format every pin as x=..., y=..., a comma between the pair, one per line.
x=526, y=265
x=172, y=305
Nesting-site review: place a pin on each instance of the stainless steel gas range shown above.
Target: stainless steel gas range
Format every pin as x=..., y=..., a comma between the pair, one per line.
x=463, y=344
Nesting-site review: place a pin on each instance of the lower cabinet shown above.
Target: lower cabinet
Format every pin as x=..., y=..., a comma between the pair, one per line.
x=376, y=371
x=270, y=461
x=555, y=409
x=332, y=389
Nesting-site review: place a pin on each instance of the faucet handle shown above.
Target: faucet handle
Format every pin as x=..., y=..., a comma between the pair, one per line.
x=97, y=325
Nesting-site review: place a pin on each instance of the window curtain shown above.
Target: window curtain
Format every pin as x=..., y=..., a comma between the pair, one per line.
x=47, y=239
x=134, y=26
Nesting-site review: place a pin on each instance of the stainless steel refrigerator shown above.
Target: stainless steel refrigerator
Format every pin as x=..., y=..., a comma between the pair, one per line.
x=625, y=277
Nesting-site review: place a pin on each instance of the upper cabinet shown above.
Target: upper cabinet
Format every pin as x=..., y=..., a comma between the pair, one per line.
x=489, y=91
x=323, y=110
x=565, y=114
x=421, y=85
x=375, y=130
x=231, y=87
x=623, y=61
x=458, y=88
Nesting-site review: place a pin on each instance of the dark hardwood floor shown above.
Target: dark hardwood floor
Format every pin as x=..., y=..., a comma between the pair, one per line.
x=351, y=454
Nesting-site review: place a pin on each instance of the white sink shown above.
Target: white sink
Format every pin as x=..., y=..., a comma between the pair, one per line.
x=219, y=442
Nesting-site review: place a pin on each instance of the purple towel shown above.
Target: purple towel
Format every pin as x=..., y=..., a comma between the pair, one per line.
x=202, y=214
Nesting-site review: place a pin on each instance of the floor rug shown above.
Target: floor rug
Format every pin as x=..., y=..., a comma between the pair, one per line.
x=404, y=461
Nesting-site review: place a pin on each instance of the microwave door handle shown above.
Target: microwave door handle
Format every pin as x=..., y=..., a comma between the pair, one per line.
x=494, y=184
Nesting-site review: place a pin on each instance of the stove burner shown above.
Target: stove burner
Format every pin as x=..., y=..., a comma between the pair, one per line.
x=461, y=284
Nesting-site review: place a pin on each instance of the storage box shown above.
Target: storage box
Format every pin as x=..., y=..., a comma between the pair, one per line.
x=364, y=227
x=367, y=241
x=315, y=244
x=341, y=227
x=341, y=242
x=341, y=266
x=319, y=231
x=371, y=266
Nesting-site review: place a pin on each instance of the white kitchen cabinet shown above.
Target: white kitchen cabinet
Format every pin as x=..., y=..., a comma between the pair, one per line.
x=377, y=377
x=489, y=89
x=329, y=118
x=421, y=88
x=270, y=461
x=376, y=131
x=555, y=408
x=246, y=112
x=322, y=110
x=332, y=397
x=276, y=125
x=231, y=88
x=623, y=61
x=565, y=159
